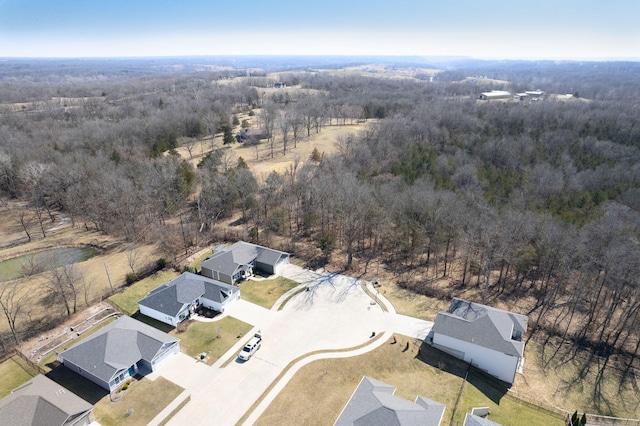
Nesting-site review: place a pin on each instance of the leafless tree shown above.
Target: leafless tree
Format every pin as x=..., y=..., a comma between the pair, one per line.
x=14, y=301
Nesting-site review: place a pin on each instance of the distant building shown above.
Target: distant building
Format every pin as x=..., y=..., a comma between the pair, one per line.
x=535, y=93
x=494, y=94
x=251, y=136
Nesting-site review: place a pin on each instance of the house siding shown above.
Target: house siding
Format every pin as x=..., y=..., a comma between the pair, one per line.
x=219, y=276
x=152, y=313
x=173, y=349
x=495, y=363
x=84, y=373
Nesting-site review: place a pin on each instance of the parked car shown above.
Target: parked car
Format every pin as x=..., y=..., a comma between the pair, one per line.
x=251, y=347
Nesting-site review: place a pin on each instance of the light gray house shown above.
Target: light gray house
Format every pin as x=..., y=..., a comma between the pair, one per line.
x=41, y=401
x=473, y=420
x=119, y=351
x=240, y=260
x=373, y=403
x=486, y=337
x=175, y=301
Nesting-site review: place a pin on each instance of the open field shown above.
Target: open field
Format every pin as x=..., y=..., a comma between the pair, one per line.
x=143, y=400
x=264, y=164
x=562, y=382
x=431, y=374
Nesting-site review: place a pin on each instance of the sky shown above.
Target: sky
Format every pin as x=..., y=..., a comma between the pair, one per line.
x=486, y=29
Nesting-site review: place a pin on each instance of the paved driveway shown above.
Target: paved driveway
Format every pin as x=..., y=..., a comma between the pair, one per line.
x=334, y=313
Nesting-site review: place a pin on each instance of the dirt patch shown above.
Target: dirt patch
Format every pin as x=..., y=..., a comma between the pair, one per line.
x=75, y=325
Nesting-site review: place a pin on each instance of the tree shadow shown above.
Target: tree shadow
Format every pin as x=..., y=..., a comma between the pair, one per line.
x=490, y=387
x=77, y=384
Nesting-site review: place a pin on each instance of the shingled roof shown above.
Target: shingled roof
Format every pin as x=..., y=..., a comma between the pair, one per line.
x=483, y=325
x=473, y=420
x=239, y=254
x=117, y=346
x=173, y=297
x=41, y=402
x=373, y=404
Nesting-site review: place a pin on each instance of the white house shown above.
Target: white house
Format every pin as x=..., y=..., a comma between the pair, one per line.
x=119, y=351
x=494, y=94
x=175, y=301
x=241, y=260
x=486, y=337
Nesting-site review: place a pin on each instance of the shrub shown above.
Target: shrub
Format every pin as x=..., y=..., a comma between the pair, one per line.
x=161, y=263
x=131, y=278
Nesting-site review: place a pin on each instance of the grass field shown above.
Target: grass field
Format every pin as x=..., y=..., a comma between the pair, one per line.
x=14, y=372
x=141, y=403
x=203, y=337
x=127, y=300
x=563, y=381
x=266, y=292
x=431, y=374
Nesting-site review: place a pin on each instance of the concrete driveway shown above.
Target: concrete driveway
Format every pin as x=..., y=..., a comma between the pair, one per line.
x=334, y=313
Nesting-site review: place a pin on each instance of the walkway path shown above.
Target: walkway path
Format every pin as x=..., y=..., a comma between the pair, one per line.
x=334, y=313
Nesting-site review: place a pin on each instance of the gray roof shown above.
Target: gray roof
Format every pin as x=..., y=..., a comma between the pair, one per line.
x=118, y=346
x=41, y=401
x=473, y=420
x=242, y=253
x=373, y=404
x=173, y=297
x=482, y=325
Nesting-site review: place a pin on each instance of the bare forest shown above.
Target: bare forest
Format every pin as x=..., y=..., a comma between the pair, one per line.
x=534, y=205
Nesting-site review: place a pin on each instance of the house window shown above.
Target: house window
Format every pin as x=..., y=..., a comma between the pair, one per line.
x=120, y=378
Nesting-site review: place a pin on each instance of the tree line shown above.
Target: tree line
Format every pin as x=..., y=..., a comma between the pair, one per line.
x=533, y=204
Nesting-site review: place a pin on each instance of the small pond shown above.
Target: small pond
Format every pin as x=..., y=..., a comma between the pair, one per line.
x=44, y=261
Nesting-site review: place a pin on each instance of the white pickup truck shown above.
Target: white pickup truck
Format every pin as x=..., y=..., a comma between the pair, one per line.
x=251, y=347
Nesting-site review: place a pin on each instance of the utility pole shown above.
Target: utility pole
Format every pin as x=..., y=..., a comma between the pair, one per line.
x=106, y=268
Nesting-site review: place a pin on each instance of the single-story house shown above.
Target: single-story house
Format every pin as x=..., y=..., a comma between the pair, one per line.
x=373, y=403
x=494, y=94
x=119, y=351
x=240, y=260
x=175, y=301
x=41, y=401
x=486, y=337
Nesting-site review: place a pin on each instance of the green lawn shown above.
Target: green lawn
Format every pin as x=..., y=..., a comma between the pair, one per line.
x=484, y=392
x=127, y=300
x=141, y=403
x=203, y=337
x=196, y=263
x=266, y=292
x=430, y=373
x=14, y=373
